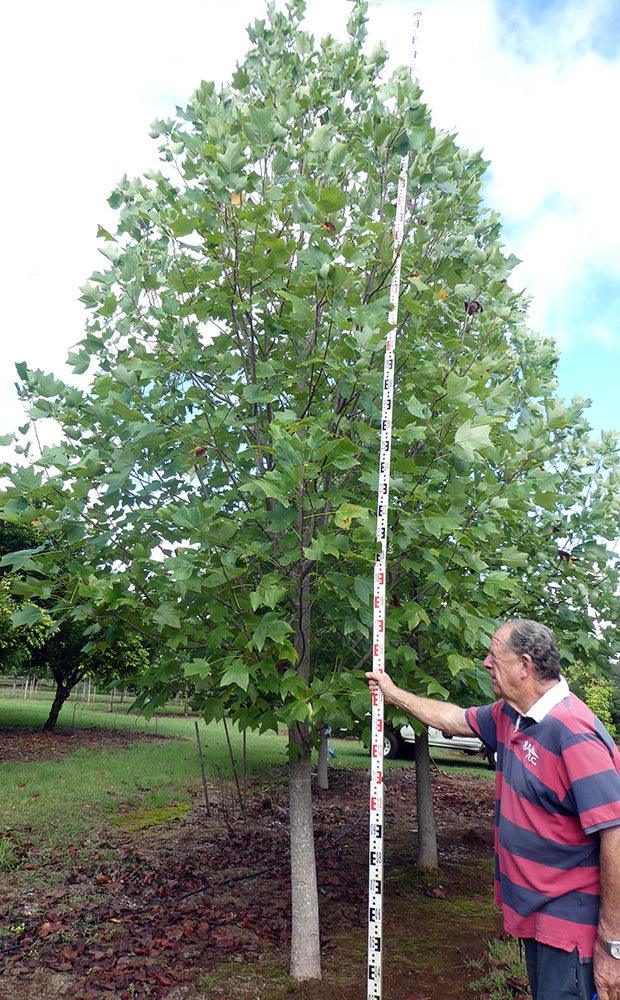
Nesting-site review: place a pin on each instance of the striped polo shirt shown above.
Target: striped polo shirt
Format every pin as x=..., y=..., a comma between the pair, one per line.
x=557, y=784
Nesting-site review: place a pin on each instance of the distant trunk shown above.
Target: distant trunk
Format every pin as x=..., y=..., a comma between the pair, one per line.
x=322, y=776
x=427, y=831
x=62, y=693
x=305, y=936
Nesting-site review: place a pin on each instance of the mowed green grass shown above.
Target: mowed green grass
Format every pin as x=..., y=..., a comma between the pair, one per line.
x=52, y=803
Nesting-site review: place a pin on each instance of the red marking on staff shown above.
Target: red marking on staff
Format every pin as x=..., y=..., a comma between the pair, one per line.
x=373, y=803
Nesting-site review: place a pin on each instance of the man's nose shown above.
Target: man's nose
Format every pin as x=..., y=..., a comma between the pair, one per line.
x=487, y=662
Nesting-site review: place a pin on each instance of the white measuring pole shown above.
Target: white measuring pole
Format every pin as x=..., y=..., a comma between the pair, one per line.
x=375, y=854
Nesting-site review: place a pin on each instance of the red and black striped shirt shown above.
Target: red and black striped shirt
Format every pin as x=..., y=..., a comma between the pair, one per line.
x=557, y=785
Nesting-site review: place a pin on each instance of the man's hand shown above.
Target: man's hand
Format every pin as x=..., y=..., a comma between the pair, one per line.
x=606, y=974
x=385, y=683
x=441, y=715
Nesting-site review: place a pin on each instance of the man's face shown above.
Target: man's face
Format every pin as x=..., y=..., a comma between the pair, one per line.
x=505, y=667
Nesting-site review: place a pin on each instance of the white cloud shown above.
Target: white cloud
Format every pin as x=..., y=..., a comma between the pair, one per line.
x=80, y=84
x=541, y=112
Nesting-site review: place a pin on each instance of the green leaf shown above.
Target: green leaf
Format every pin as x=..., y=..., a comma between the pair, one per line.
x=338, y=153
x=262, y=127
x=196, y=668
x=460, y=664
x=332, y=200
x=416, y=408
x=270, y=627
x=498, y=581
x=22, y=559
x=323, y=545
x=349, y=512
x=167, y=615
x=103, y=234
x=364, y=587
x=470, y=439
x=79, y=362
x=434, y=688
x=258, y=394
x=237, y=673
x=29, y=614
x=441, y=524
x=401, y=145
x=320, y=140
x=267, y=595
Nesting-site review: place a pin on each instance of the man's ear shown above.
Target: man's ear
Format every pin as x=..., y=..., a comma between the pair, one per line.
x=529, y=663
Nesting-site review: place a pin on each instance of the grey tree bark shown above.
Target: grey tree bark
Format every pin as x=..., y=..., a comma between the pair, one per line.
x=322, y=776
x=305, y=937
x=305, y=934
x=427, y=830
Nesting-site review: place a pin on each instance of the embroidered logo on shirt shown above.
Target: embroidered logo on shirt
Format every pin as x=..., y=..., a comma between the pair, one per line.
x=530, y=753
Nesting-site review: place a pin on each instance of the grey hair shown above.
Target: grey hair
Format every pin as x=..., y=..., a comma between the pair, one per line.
x=538, y=641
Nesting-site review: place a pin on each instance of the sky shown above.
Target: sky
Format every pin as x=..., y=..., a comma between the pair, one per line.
x=533, y=83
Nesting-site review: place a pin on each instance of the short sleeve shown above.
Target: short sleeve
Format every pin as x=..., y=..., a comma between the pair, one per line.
x=483, y=722
x=594, y=775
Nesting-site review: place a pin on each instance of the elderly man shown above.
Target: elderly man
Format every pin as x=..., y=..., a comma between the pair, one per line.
x=557, y=840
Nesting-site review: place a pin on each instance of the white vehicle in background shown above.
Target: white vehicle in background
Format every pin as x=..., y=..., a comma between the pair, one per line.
x=395, y=742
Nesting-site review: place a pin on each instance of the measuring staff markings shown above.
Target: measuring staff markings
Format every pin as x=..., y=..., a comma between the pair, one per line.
x=375, y=852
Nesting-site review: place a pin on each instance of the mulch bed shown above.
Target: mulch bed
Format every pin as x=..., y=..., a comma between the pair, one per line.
x=143, y=916
x=30, y=745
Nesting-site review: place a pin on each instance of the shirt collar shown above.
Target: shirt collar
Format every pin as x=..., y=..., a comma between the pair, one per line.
x=547, y=702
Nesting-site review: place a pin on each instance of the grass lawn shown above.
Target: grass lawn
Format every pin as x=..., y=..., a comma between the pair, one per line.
x=53, y=802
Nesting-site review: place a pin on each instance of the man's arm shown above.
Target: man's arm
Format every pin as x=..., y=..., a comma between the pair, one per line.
x=448, y=718
x=606, y=968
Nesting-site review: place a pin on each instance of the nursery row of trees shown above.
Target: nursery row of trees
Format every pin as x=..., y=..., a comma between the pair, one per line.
x=212, y=491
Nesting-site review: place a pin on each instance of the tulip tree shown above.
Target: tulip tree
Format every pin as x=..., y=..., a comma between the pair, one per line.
x=214, y=486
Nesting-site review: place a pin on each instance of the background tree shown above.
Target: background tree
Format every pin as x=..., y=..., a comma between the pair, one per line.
x=69, y=656
x=215, y=484
x=20, y=634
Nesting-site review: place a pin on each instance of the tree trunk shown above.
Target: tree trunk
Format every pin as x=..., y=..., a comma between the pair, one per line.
x=305, y=937
x=62, y=693
x=26, y=683
x=427, y=832
x=322, y=774
x=305, y=933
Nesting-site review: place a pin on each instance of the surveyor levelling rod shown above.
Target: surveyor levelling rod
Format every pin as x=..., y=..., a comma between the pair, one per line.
x=375, y=855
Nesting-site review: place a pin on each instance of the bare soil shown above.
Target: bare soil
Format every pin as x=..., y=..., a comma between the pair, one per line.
x=198, y=908
x=30, y=745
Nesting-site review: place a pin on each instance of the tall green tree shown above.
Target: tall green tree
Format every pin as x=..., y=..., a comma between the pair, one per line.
x=215, y=484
